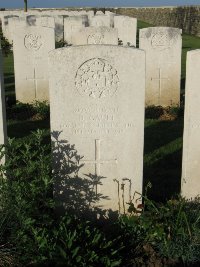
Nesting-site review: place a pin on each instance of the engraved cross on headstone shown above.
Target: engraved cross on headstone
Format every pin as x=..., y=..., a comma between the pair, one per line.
x=160, y=79
x=35, y=80
x=98, y=161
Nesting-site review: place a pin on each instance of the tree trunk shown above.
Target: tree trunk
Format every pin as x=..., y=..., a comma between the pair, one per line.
x=25, y=6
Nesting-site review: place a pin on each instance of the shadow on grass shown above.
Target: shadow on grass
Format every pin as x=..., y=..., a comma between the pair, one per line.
x=182, y=83
x=20, y=129
x=163, y=159
x=9, y=78
x=161, y=133
x=10, y=88
x=165, y=177
x=186, y=47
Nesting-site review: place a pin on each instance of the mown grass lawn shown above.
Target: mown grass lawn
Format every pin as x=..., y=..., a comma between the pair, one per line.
x=162, y=143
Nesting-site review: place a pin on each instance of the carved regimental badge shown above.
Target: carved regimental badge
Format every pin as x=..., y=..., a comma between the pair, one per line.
x=32, y=42
x=96, y=78
x=96, y=38
x=161, y=41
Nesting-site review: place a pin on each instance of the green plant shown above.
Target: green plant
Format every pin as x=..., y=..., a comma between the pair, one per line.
x=80, y=243
x=61, y=43
x=25, y=5
x=30, y=226
x=5, y=45
x=182, y=223
x=26, y=191
x=172, y=229
x=153, y=112
x=177, y=111
x=42, y=108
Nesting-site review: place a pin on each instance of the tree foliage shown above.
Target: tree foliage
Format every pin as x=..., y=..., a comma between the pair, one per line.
x=25, y=5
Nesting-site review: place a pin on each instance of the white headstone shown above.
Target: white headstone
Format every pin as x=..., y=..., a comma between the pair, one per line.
x=100, y=20
x=6, y=29
x=45, y=21
x=191, y=137
x=3, y=128
x=59, y=27
x=97, y=103
x=99, y=12
x=94, y=35
x=31, y=45
x=71, y=26
x=127, y=29
x=31, y=19
x=163, y=47
x=111, y=15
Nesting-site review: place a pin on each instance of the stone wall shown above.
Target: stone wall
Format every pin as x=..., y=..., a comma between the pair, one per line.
x=186, y=18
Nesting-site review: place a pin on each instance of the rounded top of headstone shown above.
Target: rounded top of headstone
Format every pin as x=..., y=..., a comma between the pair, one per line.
x=161, y=38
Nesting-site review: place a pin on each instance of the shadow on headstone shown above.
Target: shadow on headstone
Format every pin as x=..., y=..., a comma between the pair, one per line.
x=73, y=193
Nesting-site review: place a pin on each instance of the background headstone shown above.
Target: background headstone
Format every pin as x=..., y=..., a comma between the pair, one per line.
x=94, y=35
x=31, y=20
x=97, y=103
x=191, y=137
x=3, y=128
x=59, y=27
x=7, y=31
x=100, y=20
x=127, y=29
x=31, y=45
x=111, y=15
x=163, y=47
x=72, y=25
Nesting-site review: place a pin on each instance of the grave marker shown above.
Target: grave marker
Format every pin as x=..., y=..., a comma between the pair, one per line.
x=3, y=128
x=127, y=29
x=31, y=45
x=100, y=20
x=72, y=25
x=94, y=35
x=191, y=147
x=163, y=52
x=97, y=103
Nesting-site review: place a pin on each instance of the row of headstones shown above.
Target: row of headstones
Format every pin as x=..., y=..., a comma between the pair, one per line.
x=32, y=44
x=121, y=28
x=97, y=103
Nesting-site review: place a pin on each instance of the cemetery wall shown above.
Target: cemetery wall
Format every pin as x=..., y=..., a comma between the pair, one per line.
x=186, y=18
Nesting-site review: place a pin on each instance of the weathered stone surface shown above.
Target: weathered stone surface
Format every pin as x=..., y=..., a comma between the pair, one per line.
x=72, y=25
x=30, y=19
x=99, y=12
x=94, y=35
x=45, y=21
x=97, y=103
x=6, y=27
x=111, y=15
x=59, y=27
x=100, y=20
x=191, y=146
x=127, y=29
x=163, y=65
x=31, y=45
x=3, y=128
